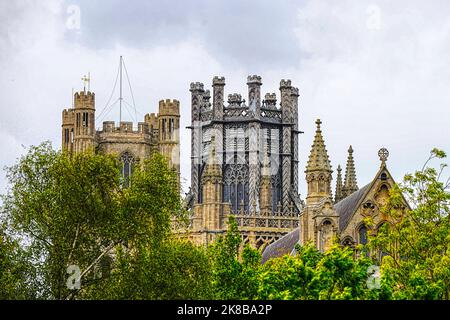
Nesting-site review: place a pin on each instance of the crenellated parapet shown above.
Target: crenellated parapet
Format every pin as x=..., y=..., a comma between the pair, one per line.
x=270, y=101
x=234, y=100
x=84, y=100
x=169, y=107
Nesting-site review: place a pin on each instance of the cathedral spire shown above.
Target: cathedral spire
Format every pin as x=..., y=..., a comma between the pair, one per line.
x=350, y=184
x=318, y=157
x=318, y=170
x=338, y=194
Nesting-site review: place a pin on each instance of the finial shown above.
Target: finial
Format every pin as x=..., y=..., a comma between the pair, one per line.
x=383, y=153
x=350, y=149
x=339, y=168
x=318, y=122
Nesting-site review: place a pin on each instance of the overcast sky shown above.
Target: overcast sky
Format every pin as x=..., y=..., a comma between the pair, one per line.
x=376, y=72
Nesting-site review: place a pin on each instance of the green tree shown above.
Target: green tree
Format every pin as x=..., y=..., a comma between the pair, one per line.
x=72, y=210
x=172, y=270
x=16, y=273
x=234, y=269
x=416, y=241
x=310, y=274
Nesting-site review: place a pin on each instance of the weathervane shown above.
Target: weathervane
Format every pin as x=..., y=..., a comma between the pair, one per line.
x=383, y=153
x=87, y=80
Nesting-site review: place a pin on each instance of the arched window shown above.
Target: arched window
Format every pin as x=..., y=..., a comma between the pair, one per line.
x=362, y=232
x=127, y=167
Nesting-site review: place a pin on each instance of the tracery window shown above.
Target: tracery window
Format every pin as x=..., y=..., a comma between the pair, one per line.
x=127, y=168
x=362, y=232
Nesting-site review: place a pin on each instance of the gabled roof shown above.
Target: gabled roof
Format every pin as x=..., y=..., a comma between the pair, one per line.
x=282, y=246
x=347, y=206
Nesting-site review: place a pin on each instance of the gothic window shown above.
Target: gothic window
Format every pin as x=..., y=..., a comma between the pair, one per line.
x=163, y=128
x=127, y=167
x=171, y=128
x=66, y=136
x=71, y=135
x=235, y=190
x=85, y=119
x=362, y=232
x=383, y=176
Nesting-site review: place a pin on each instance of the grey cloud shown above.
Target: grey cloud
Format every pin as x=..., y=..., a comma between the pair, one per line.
x=256, y=34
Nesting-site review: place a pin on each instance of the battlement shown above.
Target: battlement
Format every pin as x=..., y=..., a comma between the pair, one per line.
x=207, y=95
x=68, y=116
x=169, y=107
x=254, y=79
x=125, y=127
x=196, y=86
x=234, y=100
x=294, y=92
x=218, y=81
x=269, y=97
x=285, y=84
x=84, y=99
x=152, y=120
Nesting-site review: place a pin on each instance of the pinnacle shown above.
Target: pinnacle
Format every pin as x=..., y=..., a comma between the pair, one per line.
x=318, y=157
x=350, y=184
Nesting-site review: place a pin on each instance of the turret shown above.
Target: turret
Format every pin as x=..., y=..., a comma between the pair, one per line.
x=218, y=97
x=294, y=134
x=68, y=130
x=286, y=117
x=197, y=100
x=84, y=128
x=169, y=132
x=254, y=94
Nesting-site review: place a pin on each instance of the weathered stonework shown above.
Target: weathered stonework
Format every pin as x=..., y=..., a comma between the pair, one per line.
x=324, y=220
x=254, y=161
x=158, y=132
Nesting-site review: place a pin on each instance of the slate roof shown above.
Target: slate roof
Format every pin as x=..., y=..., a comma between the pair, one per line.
x=347, y=206
x=282, y=246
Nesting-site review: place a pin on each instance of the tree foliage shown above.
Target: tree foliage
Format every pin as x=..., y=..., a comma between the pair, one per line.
x=416, y=241
x=65, y=210
x=73, y=210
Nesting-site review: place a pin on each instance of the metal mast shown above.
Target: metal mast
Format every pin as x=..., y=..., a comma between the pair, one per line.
x=120, y=98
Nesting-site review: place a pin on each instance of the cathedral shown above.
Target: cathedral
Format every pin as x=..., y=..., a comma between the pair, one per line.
x=324, y=218
x=158, y=132
x=244, y=162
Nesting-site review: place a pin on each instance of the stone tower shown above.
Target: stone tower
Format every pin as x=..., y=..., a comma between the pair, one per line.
x=78, y=124
x=255, y=143
x=319, y=221
x=350, y=184
x=169, y=132
x=157, y=133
